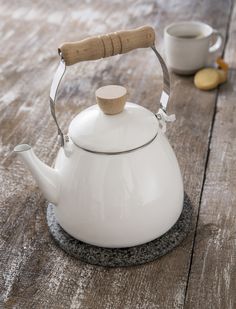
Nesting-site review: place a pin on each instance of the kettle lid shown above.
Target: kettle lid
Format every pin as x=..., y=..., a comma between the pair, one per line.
x=112, y=125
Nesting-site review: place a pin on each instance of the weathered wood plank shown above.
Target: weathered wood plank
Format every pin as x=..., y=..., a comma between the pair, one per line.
x=212, y=282
x=35, y=273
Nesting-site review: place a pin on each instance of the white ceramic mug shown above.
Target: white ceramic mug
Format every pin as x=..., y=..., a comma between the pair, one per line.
x=187, y=45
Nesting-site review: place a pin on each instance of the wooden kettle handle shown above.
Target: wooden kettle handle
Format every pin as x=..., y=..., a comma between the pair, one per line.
x=107, y=45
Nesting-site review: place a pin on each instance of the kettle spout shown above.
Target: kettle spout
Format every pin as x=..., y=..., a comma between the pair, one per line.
x=46, y=177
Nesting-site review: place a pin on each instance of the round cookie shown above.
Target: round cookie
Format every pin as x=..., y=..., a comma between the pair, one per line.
x=207, y=79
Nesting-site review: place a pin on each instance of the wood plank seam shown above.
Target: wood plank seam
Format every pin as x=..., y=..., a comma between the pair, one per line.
x=208, y=153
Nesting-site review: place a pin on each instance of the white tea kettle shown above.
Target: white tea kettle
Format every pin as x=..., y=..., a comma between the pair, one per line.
x=116, y=180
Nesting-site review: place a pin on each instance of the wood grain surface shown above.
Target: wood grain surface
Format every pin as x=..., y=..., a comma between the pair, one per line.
x=212, y=281
x=34, y=272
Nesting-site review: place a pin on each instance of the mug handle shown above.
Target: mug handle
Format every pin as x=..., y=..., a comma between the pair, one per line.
x=217, y=43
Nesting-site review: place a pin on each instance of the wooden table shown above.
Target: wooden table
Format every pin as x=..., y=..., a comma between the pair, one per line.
x=34, y=272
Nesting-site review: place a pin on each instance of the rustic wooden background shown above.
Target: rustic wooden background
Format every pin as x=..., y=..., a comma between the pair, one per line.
x=34, y=272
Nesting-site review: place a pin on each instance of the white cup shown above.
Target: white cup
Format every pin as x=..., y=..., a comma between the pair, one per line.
x=187, y=45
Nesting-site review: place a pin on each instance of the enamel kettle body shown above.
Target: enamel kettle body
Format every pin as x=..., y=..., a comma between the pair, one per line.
x=113, y=198
x=120, y=200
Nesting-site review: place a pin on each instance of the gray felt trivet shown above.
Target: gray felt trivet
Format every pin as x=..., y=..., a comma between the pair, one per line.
x=122, y=256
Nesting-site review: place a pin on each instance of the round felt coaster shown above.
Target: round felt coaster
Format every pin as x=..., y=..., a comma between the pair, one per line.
x=119, y=257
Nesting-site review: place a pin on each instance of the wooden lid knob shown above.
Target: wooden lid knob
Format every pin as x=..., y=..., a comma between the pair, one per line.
x=111, y=99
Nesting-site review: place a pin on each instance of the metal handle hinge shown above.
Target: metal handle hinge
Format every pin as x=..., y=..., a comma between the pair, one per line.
x=164, y=118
